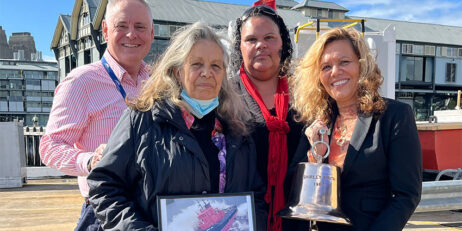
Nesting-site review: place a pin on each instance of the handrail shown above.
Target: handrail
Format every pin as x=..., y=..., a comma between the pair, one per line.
x=440, y=196
x=318, y=27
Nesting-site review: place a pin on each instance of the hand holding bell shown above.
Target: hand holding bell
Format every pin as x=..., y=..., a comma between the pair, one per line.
x=315, y=192
x=317, y=136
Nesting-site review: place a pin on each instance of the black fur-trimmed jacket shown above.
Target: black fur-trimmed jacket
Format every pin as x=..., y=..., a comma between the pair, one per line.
x=153, y=153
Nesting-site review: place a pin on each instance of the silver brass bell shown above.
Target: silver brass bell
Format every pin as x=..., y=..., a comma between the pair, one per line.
x=315, y=194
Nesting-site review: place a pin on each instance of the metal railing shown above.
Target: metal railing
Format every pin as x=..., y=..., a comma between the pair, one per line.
x=32, y=137
x=436, y=195
x=440, y=196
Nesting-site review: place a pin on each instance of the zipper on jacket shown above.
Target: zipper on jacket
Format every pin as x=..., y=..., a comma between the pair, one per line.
x=194, y=176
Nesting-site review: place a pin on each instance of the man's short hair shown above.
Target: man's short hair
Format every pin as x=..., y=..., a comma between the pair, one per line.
x=112, y=3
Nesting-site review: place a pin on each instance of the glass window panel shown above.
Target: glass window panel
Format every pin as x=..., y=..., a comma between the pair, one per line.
x=418, y=69
x=16, y=84
x=164, y=30
x=156, y=30
x=451, y=72
x=418, y=49
x=428, y=69
x=15, y=93
x=319, y=12
x=406, y=68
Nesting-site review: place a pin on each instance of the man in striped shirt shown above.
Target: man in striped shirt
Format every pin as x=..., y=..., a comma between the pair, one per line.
x=90, y=100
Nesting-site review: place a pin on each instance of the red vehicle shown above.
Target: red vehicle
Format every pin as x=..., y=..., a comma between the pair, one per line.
x=212, y=219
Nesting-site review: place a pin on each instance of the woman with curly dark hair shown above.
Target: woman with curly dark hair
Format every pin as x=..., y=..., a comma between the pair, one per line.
x=372, y=139
x=260, y=61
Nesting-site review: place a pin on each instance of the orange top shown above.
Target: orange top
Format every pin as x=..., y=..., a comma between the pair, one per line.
x=340, y=141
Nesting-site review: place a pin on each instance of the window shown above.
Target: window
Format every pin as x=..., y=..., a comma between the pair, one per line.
x=162, y=30
x=32, y=84
x=16, y=85
x=15, y=93
x=331, y=14
x=407, y=49
x=51, y=75
x=450, y=72
x=428, y=69
x=430, y=50
x=438, y=51
x=33, y=74
x=418, y=49
x=413, y=68
x=88, y=43
x=4, y=84
x=33, y=106
x=32, y=93
x=319, y=12
x=452, y=52
x=86, y=57
x=313, y=12
x=4, y=74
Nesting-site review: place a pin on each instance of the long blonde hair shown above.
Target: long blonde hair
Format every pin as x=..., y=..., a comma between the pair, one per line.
x=310, y=98
x=164, y=83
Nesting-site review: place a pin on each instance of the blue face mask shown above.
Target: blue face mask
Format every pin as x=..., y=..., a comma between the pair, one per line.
x=200, y=108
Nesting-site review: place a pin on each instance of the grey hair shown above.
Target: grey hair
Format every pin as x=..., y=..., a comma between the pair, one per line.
x=165, y=83
x=111, y=5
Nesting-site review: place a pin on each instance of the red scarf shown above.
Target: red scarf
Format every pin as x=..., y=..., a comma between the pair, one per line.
x=277, y=151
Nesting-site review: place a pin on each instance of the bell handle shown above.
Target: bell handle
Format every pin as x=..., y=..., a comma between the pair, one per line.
x=315, y=155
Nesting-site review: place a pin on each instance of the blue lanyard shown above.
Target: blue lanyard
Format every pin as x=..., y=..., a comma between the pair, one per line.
x=113, y=77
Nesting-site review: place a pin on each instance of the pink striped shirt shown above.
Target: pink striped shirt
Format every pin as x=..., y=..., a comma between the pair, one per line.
x=86, y=108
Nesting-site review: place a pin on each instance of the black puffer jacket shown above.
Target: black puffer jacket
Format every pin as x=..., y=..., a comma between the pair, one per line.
x=153, y=153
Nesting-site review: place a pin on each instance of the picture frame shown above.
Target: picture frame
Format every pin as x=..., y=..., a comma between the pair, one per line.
x=211, y=212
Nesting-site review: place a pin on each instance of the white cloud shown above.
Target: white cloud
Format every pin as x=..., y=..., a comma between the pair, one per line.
x=446, y=12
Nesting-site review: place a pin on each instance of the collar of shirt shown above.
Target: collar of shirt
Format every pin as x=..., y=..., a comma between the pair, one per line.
x=119, y=71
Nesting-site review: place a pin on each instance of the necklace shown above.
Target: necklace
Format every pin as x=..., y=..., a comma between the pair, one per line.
x=342, y=131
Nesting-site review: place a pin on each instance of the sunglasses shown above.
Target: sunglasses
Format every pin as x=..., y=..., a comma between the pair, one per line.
x=258, y=10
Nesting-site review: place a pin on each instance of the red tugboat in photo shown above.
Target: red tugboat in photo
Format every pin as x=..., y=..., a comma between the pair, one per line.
x=211, y=219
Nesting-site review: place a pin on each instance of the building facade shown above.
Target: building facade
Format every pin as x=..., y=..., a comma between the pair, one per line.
x=428, y=64
x=26, y=90
x=5, y=52
x=428, y=56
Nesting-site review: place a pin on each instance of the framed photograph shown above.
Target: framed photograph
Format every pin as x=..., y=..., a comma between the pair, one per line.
x=207, y=212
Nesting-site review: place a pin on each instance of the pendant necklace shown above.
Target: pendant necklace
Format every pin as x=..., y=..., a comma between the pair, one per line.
x=342, y=131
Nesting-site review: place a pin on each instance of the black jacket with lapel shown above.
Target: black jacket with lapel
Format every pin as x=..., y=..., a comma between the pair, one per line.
x=381, y=181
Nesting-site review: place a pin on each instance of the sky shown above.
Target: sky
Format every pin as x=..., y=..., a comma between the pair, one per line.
x=40, y=17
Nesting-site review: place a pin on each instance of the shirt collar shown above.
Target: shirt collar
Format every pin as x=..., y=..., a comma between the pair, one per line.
x=119, y=71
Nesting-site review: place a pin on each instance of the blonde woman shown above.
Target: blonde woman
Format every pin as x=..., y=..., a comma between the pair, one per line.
x=182, y=135
x=372, y=139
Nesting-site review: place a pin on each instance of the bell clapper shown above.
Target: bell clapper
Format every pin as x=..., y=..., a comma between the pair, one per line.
x=313, y=226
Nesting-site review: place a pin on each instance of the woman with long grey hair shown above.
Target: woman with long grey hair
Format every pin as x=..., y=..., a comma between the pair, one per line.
x=182, y=135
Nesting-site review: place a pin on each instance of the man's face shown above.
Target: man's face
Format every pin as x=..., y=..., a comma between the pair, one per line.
x=129, y=33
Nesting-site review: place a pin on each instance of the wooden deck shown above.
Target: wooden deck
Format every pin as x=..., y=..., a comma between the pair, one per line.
x=54, y=204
